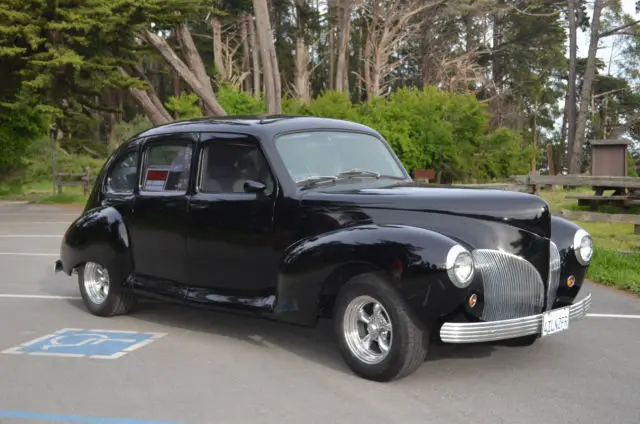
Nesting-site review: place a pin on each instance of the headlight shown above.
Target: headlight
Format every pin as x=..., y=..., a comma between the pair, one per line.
x=460, y=266
x=583, y=247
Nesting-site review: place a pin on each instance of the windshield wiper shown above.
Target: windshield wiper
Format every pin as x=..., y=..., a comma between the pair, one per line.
x=357, y=172
x=316, y=179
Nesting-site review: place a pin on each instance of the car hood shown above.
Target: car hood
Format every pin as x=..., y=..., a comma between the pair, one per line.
x=521, y=210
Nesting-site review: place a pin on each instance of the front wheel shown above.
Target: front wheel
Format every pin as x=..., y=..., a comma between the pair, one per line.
x=100, y=295
x=378, y=335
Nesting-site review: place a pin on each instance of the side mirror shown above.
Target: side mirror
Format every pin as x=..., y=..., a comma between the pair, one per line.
x=252, y=186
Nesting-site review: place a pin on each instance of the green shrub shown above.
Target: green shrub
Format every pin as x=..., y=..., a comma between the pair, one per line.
x=126, y=130
x=236, y=102
x=19, y=127
x=39, y=168
x=186, y=105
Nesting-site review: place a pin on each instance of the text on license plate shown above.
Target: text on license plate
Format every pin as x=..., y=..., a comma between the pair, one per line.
x=555, y=321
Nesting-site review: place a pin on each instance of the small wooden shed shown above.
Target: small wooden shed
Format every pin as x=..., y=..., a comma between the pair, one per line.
x=609, y=157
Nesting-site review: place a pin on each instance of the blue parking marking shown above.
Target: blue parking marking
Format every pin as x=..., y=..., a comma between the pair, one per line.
x=4, y=413
x=78, y=343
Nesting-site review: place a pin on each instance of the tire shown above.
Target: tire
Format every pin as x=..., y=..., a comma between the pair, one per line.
x=116, y=302
x=407, y=344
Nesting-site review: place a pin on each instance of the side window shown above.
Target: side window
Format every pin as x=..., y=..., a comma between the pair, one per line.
x=166, y=168
x=225, y=167
x=122, y=176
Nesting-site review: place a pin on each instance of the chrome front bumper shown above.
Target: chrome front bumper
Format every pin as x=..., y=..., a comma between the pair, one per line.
x=478, y=332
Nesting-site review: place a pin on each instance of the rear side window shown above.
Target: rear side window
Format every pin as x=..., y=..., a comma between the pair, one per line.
x=167, y=168
x=122, y=176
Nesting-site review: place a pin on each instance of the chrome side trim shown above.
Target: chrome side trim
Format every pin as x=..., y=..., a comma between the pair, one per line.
x=513, y=287
x=478, y=332
x=554, y=274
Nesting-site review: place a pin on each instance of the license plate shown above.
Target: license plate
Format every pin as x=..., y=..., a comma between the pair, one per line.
x=555, y=321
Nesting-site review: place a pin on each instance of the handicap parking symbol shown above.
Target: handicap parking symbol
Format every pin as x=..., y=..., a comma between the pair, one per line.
x=78, y=343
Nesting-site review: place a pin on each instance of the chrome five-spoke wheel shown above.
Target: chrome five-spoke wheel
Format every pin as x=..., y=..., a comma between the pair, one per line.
x=96, y=282
x=378, y=335
x=103, y=295
x=368, y=330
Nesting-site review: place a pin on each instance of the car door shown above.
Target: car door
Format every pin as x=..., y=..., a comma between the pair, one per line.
x=158, y=219
x=230, y=245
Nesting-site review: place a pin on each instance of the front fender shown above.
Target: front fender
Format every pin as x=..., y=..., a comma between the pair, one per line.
x=98, y=235
x=413, y=259
x=562, y=233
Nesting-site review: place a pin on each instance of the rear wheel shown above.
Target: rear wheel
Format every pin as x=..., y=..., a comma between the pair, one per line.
x=378, y=335
x=100, y=295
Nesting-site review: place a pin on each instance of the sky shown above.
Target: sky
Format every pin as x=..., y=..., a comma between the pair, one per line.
x=607, y=46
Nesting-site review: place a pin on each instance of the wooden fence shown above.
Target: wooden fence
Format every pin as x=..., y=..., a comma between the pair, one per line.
x=69, y=179
x=626, y=194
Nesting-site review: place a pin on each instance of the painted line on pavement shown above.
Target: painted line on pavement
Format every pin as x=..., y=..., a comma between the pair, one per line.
x=6, y=413
x=44, y=213
x=614, y=316
x=34, y=222
x=38, y=296
x=27, y=254
x=31, y=235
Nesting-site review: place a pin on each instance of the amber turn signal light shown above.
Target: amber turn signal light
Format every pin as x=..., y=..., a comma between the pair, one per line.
x=473, y=300
x=571, y=281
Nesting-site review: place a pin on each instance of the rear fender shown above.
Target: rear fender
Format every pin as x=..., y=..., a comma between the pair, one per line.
x=412, y=258
x=100, y=236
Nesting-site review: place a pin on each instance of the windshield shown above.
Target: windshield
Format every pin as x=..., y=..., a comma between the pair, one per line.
x=336, y=154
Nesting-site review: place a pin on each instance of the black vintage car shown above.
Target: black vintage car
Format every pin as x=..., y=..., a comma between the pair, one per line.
x=297, y=218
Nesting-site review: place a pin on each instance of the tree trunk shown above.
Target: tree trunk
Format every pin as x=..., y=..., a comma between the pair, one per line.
x=255, y=58
x=151, y=92
x=332, y=44
x=342, y=65
x=216, y=33
x=211, y=103
x=246, y=58
x=585, y=96
x=157, y=116
x=571, y=88
x=193, y=59
x=301, y=59
x=273, y=89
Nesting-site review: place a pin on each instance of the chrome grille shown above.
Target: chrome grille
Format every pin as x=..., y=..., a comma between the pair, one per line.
x=513, y=287
x=554, y=274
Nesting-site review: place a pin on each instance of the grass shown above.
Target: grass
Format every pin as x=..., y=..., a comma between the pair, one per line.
x=42, y=192
x=614, y=236
x=616, y=260
x=620, y=270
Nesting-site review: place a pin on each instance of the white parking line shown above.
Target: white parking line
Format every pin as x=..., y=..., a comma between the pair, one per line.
x=30, y=235
x=27, y=254
x=614, y=316
x=38, y=296
x=33, y=222
x=38, y=213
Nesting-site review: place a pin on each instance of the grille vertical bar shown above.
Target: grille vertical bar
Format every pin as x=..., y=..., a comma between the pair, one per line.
x=554, y=274
x=513, y=287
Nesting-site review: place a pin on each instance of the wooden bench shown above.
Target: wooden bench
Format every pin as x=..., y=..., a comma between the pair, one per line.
x=70, y=179
x=585, y=200
x=427, y=175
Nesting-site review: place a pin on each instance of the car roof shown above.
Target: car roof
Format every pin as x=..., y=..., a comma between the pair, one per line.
x=258, y=125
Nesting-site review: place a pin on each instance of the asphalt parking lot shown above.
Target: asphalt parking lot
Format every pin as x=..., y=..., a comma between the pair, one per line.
x=170, y=364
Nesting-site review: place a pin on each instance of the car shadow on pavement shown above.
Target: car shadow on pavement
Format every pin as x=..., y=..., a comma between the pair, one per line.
x=315, y=344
